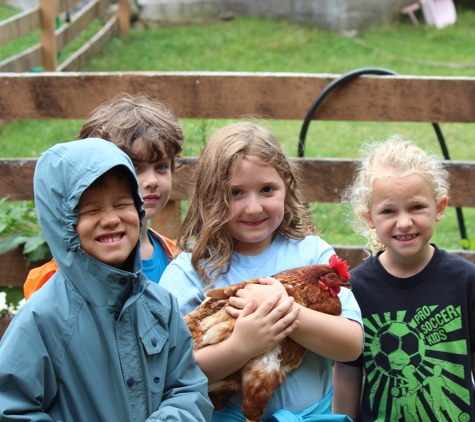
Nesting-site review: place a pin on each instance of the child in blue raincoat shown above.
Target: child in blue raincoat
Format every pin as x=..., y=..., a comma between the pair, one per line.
x=97, y=342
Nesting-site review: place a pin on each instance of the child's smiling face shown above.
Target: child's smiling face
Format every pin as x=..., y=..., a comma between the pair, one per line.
x=257, y=206
x=108, y=225
x=404, y=212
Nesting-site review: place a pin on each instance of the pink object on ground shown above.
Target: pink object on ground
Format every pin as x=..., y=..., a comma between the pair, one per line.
x=410, y=11
x=439, y=13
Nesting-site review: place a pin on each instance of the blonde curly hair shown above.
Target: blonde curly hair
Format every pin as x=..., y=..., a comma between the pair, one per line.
x=202, y=232
x=380, y=160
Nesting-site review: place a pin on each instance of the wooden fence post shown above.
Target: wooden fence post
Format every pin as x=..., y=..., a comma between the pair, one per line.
x=49, y=47
x=124, y=18
x=168, y=221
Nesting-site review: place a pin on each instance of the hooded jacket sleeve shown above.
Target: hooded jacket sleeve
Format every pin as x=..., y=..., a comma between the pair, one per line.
x=27, y=380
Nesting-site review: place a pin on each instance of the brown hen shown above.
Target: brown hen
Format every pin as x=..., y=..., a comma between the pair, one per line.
x=314, y=286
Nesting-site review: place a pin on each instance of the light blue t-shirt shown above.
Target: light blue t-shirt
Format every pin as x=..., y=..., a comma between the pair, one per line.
x=154, y=267
x=312, y=380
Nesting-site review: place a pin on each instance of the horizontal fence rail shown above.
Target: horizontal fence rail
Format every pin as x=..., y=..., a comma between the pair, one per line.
x=323, y=181
x=222, y=95
x=16, y=178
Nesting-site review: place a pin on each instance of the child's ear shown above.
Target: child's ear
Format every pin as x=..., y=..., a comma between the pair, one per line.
x=441, y=206
x=367, y=217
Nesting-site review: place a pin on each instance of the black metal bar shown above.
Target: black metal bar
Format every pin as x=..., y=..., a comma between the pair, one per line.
x=354, y=74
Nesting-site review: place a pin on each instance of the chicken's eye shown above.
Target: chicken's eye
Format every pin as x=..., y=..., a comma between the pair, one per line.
x=332, y=276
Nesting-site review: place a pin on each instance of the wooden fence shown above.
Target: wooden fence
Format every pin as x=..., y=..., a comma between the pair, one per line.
x=53, y=39
x=232, y=95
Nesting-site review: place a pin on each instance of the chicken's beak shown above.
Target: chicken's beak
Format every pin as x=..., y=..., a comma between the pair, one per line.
x=346, y=284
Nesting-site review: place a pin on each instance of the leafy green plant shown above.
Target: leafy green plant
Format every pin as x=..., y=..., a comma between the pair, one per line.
x=19, y=227
x=466, y=244
x=13, y=297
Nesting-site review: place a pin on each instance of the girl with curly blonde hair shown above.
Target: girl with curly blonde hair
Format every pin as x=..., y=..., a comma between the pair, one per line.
x=417, y=300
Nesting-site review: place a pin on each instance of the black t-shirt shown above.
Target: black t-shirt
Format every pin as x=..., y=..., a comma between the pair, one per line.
x=419, y=340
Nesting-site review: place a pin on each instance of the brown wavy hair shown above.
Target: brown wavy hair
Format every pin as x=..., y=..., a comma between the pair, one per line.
x=202, y=232
x=129, y=118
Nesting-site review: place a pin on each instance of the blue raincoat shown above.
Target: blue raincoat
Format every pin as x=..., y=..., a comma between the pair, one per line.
x=95, y=343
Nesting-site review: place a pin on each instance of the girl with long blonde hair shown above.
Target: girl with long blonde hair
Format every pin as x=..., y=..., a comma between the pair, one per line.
x=247, y=219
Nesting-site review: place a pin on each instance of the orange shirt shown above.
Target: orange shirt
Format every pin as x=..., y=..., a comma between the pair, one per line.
x=37, y=277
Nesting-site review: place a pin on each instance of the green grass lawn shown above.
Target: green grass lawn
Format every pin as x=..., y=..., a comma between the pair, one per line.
x=253, y=44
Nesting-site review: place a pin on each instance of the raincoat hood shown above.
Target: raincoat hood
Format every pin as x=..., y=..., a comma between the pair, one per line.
x=62, y=174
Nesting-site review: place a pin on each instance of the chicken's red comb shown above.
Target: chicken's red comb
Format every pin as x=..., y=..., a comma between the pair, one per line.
x=340, y=266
